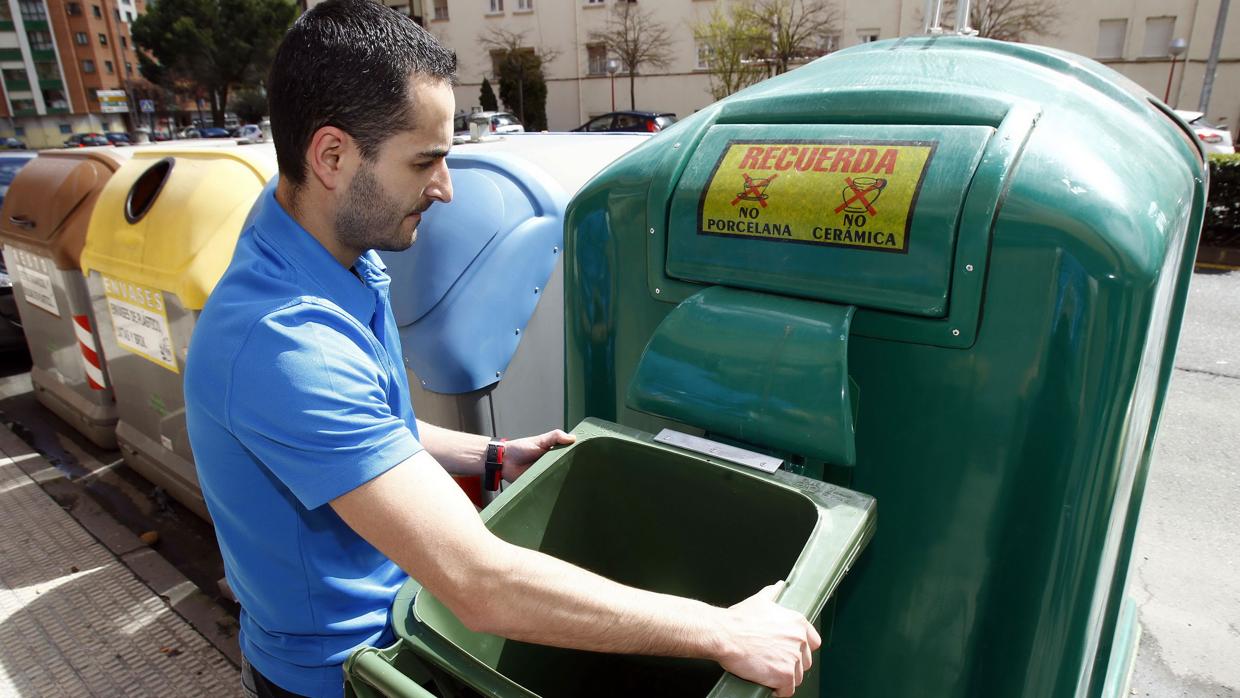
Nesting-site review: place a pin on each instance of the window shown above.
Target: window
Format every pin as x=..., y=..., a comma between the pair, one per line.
x=128, y=68
x=88, y=66
x=497, y=6
x=98, y=12
x=594, y=2
x=66, y=129
x=23, y=105
x=829, y=43
x=866, y=36
x=103, y=39
x=116, y=13
x=47, y=70
x=1111, y=38
x=705, y=52
x=596, y=59
x=1158, y=32
x=124, y=42
x=6, y=14
x=107, y=65
x=12, y=74
x=602, y=123
x=73, y=9
x=81, y=39
x=55, y=99
x=497, y=58
x=525, y=5
x=441, y=9
x=19, y=131
x=40, y=41
x=33, y=11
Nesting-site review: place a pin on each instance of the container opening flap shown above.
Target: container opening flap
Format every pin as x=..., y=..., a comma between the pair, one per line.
x=764, y=369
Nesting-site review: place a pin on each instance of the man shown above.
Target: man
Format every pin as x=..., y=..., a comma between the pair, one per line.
x=323, y=488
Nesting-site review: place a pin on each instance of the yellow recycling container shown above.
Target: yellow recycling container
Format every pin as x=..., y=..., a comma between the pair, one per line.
x=161, y=236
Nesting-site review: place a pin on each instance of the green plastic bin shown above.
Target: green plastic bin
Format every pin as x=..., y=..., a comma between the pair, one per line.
x=646, y=514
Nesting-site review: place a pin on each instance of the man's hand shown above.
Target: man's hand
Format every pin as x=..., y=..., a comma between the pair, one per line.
x=520, y=454
x=768, y=644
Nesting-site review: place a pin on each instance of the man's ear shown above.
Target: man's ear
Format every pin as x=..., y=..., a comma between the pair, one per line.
x=325, y=157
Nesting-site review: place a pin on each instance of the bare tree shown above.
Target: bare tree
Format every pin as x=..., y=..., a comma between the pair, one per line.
x=635, y=37
x=1012, y=20
x=519, y=69
x=796, y=29
x=731, y=43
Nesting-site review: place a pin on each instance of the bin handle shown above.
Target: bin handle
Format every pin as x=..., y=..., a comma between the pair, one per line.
x=371, y=668
x=22, y=222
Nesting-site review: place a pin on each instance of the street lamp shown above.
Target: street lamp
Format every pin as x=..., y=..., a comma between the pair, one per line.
x=613, y=65
x=1176, y=49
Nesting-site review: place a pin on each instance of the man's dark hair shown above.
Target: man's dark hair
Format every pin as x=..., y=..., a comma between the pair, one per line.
x=347, y=63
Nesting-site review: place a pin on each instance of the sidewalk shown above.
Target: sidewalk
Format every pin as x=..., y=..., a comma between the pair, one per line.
x=75, y=619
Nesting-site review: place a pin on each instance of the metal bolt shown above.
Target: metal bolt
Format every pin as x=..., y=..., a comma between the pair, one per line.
x=516, y=331
x=968, y=267
x=535, y=290
x=652, y=231
x=555, y=250
x=423, y=384
x=677, y=145
x=497, y=374
x=955, y=333
x=658, y=291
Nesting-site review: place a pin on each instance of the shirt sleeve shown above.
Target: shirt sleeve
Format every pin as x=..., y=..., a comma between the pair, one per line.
x=309, y=398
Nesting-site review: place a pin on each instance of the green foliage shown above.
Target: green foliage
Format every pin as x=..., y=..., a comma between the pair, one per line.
x=523, y=88
x=210, y=47
x=1221, y=227
x=486, y=98
x=249, y=105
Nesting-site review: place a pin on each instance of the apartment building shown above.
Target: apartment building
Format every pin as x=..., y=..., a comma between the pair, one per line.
x=67, y=67
x=1131, y=36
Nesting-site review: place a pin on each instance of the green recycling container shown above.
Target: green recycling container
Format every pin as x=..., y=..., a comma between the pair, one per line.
x=646, y=511
x=1002, y=236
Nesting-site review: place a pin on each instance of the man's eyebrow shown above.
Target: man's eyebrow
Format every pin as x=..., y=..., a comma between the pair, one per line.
x=437, y=152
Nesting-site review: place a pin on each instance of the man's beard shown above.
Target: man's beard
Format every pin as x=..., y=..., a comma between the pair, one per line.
x=368, y=219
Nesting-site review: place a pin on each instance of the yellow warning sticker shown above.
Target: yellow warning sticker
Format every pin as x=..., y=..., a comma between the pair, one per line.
x=140, y=321
x=838, y=193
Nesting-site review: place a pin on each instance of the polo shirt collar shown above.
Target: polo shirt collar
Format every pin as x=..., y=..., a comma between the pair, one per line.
x=297, y=245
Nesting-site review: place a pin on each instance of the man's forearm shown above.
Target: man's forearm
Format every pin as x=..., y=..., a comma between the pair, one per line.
x=458, y=452
x=540, y=599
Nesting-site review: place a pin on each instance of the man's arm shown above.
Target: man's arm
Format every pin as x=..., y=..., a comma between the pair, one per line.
x=461, y=453
x=417, y=516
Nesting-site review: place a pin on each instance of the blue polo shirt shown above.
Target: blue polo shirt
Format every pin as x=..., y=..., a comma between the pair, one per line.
x=296, y=394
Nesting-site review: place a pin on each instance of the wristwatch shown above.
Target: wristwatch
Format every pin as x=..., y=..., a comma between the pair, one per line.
x=493, y=470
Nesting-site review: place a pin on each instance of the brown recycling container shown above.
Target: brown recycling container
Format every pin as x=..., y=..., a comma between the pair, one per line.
x=43, y=229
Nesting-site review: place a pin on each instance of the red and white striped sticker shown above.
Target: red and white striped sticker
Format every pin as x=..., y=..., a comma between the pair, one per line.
x=91, y=360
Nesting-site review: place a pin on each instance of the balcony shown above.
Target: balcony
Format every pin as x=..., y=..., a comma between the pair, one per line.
x=17, y=85
x=10, y=54
x=46, y=54
x=51, y=84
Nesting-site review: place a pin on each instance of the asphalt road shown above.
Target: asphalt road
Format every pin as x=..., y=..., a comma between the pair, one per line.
x=1186, y=579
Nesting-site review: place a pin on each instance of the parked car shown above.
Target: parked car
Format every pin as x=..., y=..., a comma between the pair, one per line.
x=1215, y=139
x=83, y=140
x=250, y=132
x=12, y=144
x=189, y=133
x=501, y=122
x=10, y=163
x=11, y=335
x=629, y=121
x=117, y=138
x=213, y=132
x=160, y=136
